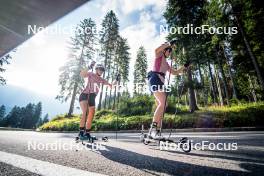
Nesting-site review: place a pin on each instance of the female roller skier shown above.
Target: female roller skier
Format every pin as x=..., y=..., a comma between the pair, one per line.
x=156, y=79
x=87, y=98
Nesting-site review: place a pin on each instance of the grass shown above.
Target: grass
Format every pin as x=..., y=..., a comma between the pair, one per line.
x=242, y=115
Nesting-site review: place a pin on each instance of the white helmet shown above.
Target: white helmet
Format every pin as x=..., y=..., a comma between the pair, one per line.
x=100, y=67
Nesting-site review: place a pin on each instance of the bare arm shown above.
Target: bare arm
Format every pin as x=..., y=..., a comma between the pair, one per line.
x=160, y=49
x=84, y=73
x=114, y=83
x=177, y=72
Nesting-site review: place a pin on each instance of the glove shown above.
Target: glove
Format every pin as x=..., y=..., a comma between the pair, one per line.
x=173, y=41
x=118, y=77
x=187, y=64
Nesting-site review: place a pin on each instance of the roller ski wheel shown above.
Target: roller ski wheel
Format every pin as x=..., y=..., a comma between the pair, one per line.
x=185, y=145
x=105, y=139
x=77, y=139
x=146, y=139
x=85, y=139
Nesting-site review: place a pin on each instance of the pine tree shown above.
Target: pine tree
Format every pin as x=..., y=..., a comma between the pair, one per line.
x=82, y=47
x=178, y=14
x=46, y=118
x=43, y=120
x=121, y=61
x=108, y=40
x=13, y=119
x=4, y=60
x=140, y=70
x=27, y=116
x=2, y=112
x=2, y=115
x=246, y=16
x=37, y=114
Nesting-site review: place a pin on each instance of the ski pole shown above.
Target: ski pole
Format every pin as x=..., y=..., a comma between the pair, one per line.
x=172, y=43
x=116, y=106
x=164, y=109
x=186, y=65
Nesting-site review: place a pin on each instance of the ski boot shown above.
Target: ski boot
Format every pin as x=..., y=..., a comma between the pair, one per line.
x=153, y=135
x=85, y=136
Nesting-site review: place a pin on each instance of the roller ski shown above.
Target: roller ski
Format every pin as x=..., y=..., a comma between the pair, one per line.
x=86, y=137
x=154, y=136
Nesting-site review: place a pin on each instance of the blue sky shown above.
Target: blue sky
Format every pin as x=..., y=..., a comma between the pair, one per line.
x=35, y=64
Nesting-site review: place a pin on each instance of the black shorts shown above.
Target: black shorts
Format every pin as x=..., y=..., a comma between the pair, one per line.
x=155, y=84
x=90, y=97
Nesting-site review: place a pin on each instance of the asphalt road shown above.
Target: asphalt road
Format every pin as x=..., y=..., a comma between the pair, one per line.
x=34, y=153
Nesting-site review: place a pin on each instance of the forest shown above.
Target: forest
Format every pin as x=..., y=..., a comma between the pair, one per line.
x=224, y=83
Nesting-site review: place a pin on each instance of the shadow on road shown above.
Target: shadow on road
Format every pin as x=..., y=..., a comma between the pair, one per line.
x=155, y=165
x=214, y=155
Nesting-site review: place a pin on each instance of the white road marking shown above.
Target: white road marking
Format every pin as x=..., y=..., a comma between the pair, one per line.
x=42, y=167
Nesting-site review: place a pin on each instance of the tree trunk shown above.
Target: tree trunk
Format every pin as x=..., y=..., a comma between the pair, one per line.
x=76, y=84
x=186, y=99
x=252, y=57
x=110, y=99
x=202, y=81
x=102, y=88
x=196, y=96
x=116, y=92
x=212, y=83
x=231, y=75
x=220, y=63
x=218, y=86
x=252, y=89
x=114, y=104
x=192, y=101
x=106, y=96
x=100, y=97
x=73, y=99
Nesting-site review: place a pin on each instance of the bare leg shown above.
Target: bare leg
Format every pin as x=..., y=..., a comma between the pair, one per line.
x=160, y=99
x=90, y=117
x=83, y=105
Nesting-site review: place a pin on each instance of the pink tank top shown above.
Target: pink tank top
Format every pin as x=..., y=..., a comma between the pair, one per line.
x=161, y=65
x=94, y=79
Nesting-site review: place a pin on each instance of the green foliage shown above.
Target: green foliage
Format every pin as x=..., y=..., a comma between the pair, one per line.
x=138, y=105
x=115, y=54
x=64, y=116
x=82, y=51
x=140, y=70
x=102, y=113
x=234, y=101
x=123, y=59
x=23, y=117
x=238, y=76
x=4, y=60
x=242, y=115
x=64, y=124
x=2, y=112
